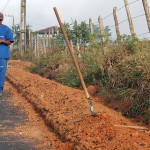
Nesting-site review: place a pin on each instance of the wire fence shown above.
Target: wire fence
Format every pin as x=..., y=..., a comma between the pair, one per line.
x=42, y=43
x=46, y=41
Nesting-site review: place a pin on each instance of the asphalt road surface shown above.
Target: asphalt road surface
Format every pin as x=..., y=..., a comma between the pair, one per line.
x=10, y=118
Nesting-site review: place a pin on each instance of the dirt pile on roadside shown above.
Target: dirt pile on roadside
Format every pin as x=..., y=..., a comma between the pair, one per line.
x=66, y=111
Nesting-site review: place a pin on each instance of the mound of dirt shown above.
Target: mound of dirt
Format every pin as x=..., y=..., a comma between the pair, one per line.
x=67, y=112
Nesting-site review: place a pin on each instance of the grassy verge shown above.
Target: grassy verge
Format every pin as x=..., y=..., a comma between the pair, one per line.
x=123, y=69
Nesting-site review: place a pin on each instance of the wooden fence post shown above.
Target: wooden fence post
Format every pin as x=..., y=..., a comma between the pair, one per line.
x=77, y=44
x=71, y=43
x=91, y=26
x=129, y=17
x=52, y=31
x=41, y=45
x=38, y=46
x=49, y=40
x=30, y=41
x=57, y=31
x=44, y=44
x=102, y=29
x=35, y=46
x=147, y=12
x=116, y=22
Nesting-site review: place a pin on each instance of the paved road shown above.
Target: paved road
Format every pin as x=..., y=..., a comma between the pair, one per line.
x=10, y=118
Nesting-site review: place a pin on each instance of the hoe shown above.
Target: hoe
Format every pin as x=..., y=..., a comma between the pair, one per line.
x=75, y=63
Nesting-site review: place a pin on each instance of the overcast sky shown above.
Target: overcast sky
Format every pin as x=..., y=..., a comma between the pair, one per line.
x=40, y=13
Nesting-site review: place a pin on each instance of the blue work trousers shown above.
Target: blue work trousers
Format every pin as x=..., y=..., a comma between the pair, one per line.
x=3, y=68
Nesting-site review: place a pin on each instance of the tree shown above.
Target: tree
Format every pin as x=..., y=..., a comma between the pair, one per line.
x=85, y=33
x=79, y=33
x=16, y=29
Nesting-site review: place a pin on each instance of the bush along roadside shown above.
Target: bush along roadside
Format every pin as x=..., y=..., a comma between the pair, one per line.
x=131, y=78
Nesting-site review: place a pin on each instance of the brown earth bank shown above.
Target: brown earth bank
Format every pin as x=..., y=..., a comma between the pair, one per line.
x=66, y=111
x=32, y=129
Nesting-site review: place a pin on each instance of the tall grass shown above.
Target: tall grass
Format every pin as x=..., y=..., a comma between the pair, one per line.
x=131, y=78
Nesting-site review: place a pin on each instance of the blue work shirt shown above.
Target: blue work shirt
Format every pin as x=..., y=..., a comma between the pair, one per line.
x=5, y=34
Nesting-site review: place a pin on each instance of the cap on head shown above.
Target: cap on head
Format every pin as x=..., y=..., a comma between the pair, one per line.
x=1, y=15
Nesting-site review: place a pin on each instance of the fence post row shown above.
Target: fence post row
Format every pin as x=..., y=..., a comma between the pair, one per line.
x=43, y=44
x=147, y=12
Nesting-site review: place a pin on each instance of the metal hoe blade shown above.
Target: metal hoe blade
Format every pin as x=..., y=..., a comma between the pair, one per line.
x=92, y=108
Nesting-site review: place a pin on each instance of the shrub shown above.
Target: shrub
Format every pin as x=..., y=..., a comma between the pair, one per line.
x=70, y=78
x=131, y=78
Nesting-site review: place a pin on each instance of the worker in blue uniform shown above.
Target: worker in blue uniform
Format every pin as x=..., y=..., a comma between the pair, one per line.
x=6, y=39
